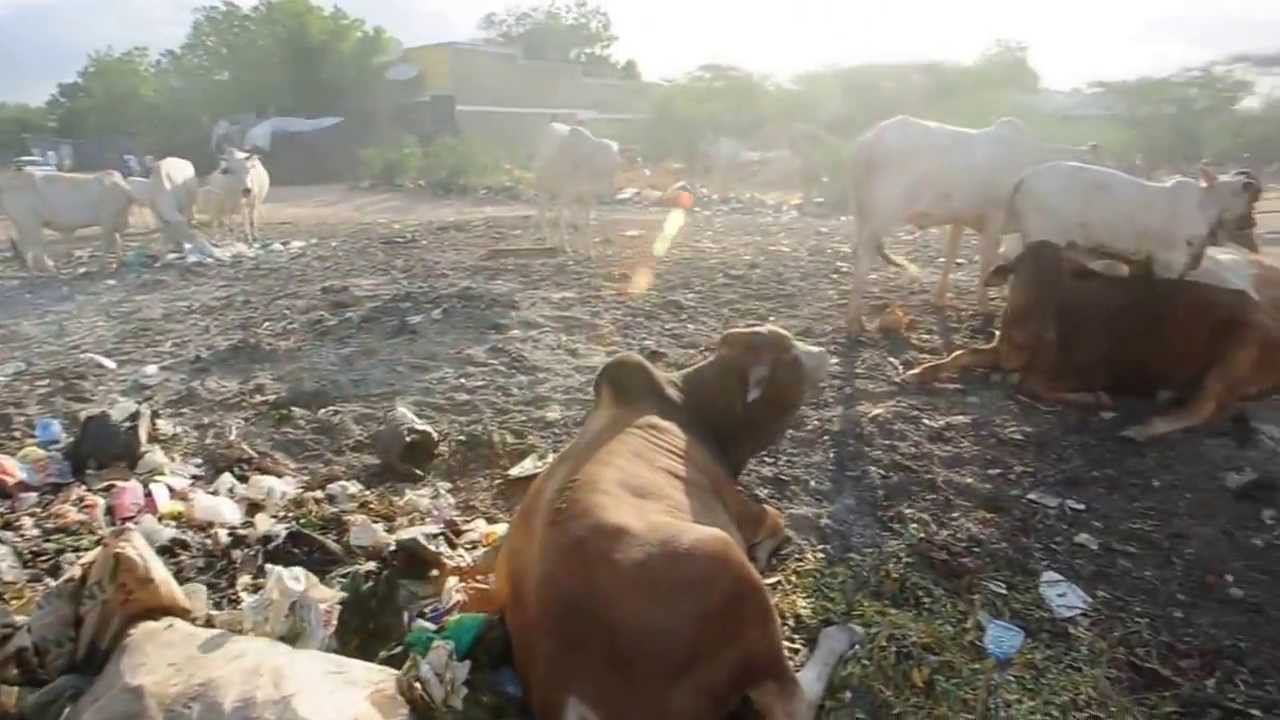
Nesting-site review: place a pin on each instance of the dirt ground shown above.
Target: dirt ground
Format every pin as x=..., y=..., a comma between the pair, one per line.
x=906, y=506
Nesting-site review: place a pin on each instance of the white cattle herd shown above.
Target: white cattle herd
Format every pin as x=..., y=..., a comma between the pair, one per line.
x=35, y=200
x=1152, y=248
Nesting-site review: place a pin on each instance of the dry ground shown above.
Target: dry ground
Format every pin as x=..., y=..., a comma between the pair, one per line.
x=906, y=506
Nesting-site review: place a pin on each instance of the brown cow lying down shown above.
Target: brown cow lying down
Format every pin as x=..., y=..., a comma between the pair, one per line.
x=1075, y=334
x=630, y=578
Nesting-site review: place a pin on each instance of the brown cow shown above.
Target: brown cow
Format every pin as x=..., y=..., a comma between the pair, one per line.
x=1074, y=334
x=630, y=579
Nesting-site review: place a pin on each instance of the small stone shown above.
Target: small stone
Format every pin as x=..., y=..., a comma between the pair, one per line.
x=1237, y=480
x=1076, y=506
x=1044, y=499
x=1086, y=540
x=1270, y=515
x=1235, y=593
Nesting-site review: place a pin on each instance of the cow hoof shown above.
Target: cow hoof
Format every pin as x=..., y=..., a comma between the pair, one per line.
x=841, y=638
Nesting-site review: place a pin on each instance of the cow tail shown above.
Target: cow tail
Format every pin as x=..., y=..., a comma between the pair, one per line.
x=1012, y=220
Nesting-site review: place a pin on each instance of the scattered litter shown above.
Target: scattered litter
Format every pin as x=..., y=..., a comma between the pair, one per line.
x=25, y=501
x=127, y=501
x=101, y=360
x=227, y=486
x=463, y=630
x=156, y=535
x=161, y=498
x=368, y=538
x=293, y=607
x=198, y=597
x=1237, y=480
x=48, y=432
x=153, y=461
x=342, y=494
x=1002, y=640
x=1086, y=540
x=404, y=443
x=216, y=510
x=1063, y=598
x=1044, y=499
x=269, y=491
x=110, y=438
x=11, y=572
x=175, y=483
x=532, y=465
x=149, y=375
x=10, y=475
x=437, y=681
x=435, y=503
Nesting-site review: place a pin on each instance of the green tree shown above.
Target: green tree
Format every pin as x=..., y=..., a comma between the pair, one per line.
x=1173, y=116
x=293, y=57
x=114, y=93
x=578, y=31
x=712, y=101
x=16, y=120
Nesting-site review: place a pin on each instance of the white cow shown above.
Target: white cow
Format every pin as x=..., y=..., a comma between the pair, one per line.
x=907, y=171
x=171, y=197
x=1170, y=223
x=65, y=203
x=239, y=185
x=572, y=166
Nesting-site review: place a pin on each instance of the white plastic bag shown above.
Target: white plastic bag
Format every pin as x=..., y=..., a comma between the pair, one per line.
x=294, y=607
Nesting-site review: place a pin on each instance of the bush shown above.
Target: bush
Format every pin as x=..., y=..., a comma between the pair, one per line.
x=459, y=165
x=392, y=164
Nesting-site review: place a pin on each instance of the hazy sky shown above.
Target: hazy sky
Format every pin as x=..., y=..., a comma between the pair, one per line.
x=45, y=41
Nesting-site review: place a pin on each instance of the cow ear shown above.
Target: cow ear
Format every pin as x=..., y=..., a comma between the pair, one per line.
x=1207, y=176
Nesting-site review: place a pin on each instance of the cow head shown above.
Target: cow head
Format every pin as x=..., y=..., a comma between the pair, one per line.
x=1229, y=200
x=744, y=396
x=236, y=168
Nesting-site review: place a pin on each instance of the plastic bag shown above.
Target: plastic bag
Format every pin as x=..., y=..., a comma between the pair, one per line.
x=294, y=607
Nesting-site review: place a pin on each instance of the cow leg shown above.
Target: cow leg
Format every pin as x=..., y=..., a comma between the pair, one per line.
x=984, y=357
x=952, y=252
x=544, y=226
x=253, y=219
x=798, y=697
x=865, y=247
x=1216, y=395
x=562, y=216
x=112, y=244
x=988, y=254
x=584, y=232
x=29, y=242
x=245, y=214
x=761, y=527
